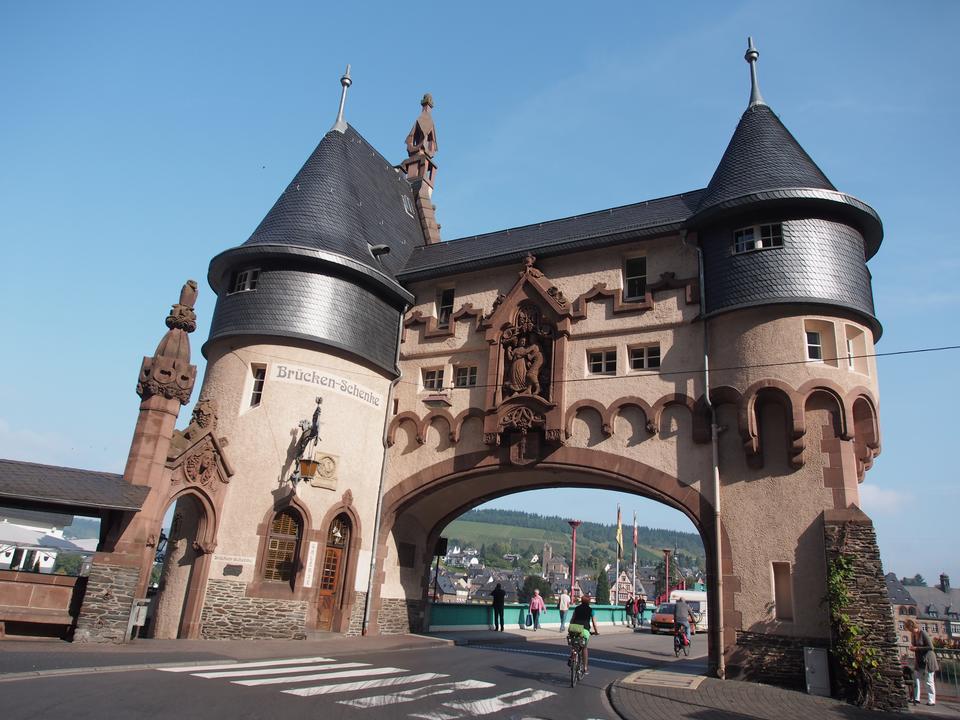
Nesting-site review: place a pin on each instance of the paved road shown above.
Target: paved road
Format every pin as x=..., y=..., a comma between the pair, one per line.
x=512, y=680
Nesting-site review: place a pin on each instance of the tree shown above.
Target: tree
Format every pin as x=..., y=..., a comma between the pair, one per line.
x=483, y=552
x=916, y=581
x=603, y=589
x=531, y=583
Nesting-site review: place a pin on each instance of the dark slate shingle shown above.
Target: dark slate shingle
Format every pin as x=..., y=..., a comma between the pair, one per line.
x=69, y=486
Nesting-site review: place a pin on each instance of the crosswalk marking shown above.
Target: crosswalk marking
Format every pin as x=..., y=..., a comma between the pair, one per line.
x=364, y=685
x=488, y=706
x=320, y=676
x=236, y=666
x=280, y=671
x=416, y=693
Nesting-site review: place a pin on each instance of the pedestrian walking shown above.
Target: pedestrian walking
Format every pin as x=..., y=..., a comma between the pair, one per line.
x=563, y=605
x=641, y=609
x=630, y=608
x=537, y=606
x=498, y=595
x=925, y=659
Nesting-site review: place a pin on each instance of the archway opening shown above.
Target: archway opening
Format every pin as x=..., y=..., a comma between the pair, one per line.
x=175, y=578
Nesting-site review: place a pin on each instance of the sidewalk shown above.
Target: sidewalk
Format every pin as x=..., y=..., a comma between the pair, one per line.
x=676, y=691
x=493, y=637
x=33, y=657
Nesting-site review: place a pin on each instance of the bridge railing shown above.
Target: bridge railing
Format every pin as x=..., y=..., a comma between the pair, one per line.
x=466, y=616
x=948, y=677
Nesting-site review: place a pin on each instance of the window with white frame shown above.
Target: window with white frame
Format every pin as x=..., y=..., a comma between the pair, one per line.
x=645, y=357
x=602, y=362
x=259, y=379
x=433, y=379
x=814, y=345
x=245, y=280
x=955, y=628
x=465, y=376
x=635, y=278
x=758, y=237
x=444, y=307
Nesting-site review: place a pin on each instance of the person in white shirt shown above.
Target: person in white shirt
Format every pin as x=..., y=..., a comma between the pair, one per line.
x=563, y=605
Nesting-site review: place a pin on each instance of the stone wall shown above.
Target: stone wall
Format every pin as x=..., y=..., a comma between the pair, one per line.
x=229, y=614
x=398, y=616
x=772, y=659
x=851, y=533
x=356, y=614
x=105, y=611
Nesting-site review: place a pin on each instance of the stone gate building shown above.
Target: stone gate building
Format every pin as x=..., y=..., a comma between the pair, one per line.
x=366, y=383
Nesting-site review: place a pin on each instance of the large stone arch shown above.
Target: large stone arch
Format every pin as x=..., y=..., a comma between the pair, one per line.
x=416, y=509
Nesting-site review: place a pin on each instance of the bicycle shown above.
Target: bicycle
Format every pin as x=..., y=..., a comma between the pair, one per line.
x=577, y=644
x=680, y=640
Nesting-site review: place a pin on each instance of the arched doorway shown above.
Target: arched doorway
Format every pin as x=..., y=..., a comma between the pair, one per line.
x=333, y=572
x=177, y=603
x=417, y=509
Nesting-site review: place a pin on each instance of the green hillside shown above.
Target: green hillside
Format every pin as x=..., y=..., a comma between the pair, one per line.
x=506, y=531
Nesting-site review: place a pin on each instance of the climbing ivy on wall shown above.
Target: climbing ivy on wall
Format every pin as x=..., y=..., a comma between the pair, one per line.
x=859, y=663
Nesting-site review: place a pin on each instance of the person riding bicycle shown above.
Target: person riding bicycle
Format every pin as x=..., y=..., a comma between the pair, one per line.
x=580, y=625
x=683, y=617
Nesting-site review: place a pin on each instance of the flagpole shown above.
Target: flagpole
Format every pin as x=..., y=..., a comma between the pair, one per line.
x=616, y=577
x=634, y=553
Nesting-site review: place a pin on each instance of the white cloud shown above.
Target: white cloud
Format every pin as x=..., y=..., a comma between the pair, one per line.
x=883, y=501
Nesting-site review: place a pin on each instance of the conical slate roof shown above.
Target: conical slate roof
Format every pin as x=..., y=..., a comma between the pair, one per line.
x=762, y=156
x=345, y=199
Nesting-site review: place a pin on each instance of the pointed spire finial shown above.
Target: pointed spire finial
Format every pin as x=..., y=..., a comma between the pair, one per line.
x=751, y=57
x=341, y=125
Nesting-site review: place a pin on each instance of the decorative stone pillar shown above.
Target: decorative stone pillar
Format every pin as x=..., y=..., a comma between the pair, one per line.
x=121, y=567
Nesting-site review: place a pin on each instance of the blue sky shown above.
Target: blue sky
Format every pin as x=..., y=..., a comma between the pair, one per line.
x=139, y=140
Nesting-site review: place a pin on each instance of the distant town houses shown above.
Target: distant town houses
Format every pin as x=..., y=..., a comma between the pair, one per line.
x=936, y=610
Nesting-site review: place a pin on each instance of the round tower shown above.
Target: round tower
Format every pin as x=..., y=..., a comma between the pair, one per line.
x=301, y=358
x=791, y=330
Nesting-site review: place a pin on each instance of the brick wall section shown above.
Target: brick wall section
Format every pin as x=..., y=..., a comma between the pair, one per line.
x=851, y=532
x=356, y=614
x=398, y=616
x=105, y=611
x=229, y=614
x=773, y=659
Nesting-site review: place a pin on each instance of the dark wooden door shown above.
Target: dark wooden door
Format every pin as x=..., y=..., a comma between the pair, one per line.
x=330, y=593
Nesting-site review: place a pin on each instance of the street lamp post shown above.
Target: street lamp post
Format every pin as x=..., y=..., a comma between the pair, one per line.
x=573, y=556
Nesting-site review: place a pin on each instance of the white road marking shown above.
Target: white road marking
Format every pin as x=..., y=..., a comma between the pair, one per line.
x=488, y=706
x=321, y=676
x=234, y=666
x=364, y=685
x=280, y=670
x=564, y=655
x=416, y=693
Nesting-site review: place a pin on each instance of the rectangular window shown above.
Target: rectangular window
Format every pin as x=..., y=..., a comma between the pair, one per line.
x=444, y=307
x=782, y=591
x=955, y=629
x=602, y=362
x=433, y=379
x=259, y=378
x=645, y=358
x=465, y=377
x=635, y=278
x=814, y=346
x=758, y=237
x=245, y=280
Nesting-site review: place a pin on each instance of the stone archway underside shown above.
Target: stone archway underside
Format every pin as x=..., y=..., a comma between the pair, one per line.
x=422, y=505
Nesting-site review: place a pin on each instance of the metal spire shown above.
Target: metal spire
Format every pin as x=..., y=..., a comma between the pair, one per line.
x=341, y=125
x=751, y=57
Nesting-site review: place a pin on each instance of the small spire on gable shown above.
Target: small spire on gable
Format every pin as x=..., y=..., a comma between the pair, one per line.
x=421, y=170
x=341, y=125
x=751, y=57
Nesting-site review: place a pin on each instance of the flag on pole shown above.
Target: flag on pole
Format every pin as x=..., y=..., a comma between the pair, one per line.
x=619, y=536
x=634, y=534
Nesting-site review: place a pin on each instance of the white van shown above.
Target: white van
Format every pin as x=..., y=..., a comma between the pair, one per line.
x=697, y=600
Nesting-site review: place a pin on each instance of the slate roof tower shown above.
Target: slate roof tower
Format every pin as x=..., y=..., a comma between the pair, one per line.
x=766, y=178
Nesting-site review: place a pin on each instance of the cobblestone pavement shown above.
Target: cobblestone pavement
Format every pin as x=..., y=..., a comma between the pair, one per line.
x=733, y=700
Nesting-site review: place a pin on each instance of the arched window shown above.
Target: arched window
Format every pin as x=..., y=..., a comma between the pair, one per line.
x=283, y=547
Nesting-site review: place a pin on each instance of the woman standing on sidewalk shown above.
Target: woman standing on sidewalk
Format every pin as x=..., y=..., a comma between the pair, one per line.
x=926, y=662
x=536, y=607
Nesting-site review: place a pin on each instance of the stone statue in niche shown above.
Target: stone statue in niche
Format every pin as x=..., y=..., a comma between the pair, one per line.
x=527, y=344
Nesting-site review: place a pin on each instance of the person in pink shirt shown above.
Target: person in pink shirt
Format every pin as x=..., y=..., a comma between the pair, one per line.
x=536, y=607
